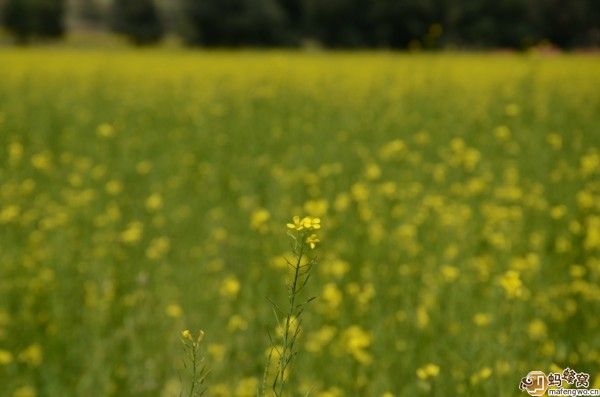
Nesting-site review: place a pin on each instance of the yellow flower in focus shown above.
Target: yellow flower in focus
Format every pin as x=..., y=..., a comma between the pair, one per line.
x=186, y=334
x=297, y=223
x=428, y=371
x=307, y=223
x=312, y=241
x=312, y=223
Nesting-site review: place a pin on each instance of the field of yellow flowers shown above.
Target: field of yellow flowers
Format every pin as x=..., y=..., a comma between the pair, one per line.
x=143, y=193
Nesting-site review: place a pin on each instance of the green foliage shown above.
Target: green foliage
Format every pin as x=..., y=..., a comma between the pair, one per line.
x=234, y=22
x=34, y=18
x=138, y=20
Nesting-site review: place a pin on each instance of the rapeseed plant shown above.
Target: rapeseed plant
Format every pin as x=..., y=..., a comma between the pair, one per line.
x=194, y=363
x=284, y=349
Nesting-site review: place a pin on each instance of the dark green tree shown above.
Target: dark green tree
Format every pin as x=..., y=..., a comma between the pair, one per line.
x=17, y=18
x=398, y=23
x=341, y=23
x=34, y=18
x=234, y=22
x=138, y=20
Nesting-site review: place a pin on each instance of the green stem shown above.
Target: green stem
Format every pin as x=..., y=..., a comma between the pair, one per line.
x=286, y=353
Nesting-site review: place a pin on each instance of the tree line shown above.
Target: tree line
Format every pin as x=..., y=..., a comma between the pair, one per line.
x=329, y=23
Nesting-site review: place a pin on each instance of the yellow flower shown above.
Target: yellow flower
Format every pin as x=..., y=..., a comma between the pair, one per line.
x=143, y=167
x=297, y=225
x=312, y=240
x=154, y=202
x=25, y=391
x=6, y=357
x=428, y=371
x=15, y=152
x=186, y=334
x=105, y=130
x=259, y=219
x=482, y=319
x=41, y=161
x=237, y=322
x=312, y=223
x=31, y=355
x=537, y=329
x=247, y=387
x=133, y=233
x=158, y=248
x=511, y=282
x=114, y=187
x=307, y=223
x=316, y=207
x=230, y=287
x=174, y=310
x=317, y=340
x=9, y=214
x=357, y=341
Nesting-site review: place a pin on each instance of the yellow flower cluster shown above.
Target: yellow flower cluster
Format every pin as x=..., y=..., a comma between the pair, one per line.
x=305, y=223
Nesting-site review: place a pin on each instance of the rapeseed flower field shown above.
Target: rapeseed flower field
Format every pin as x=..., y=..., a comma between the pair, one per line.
x=453, y=203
